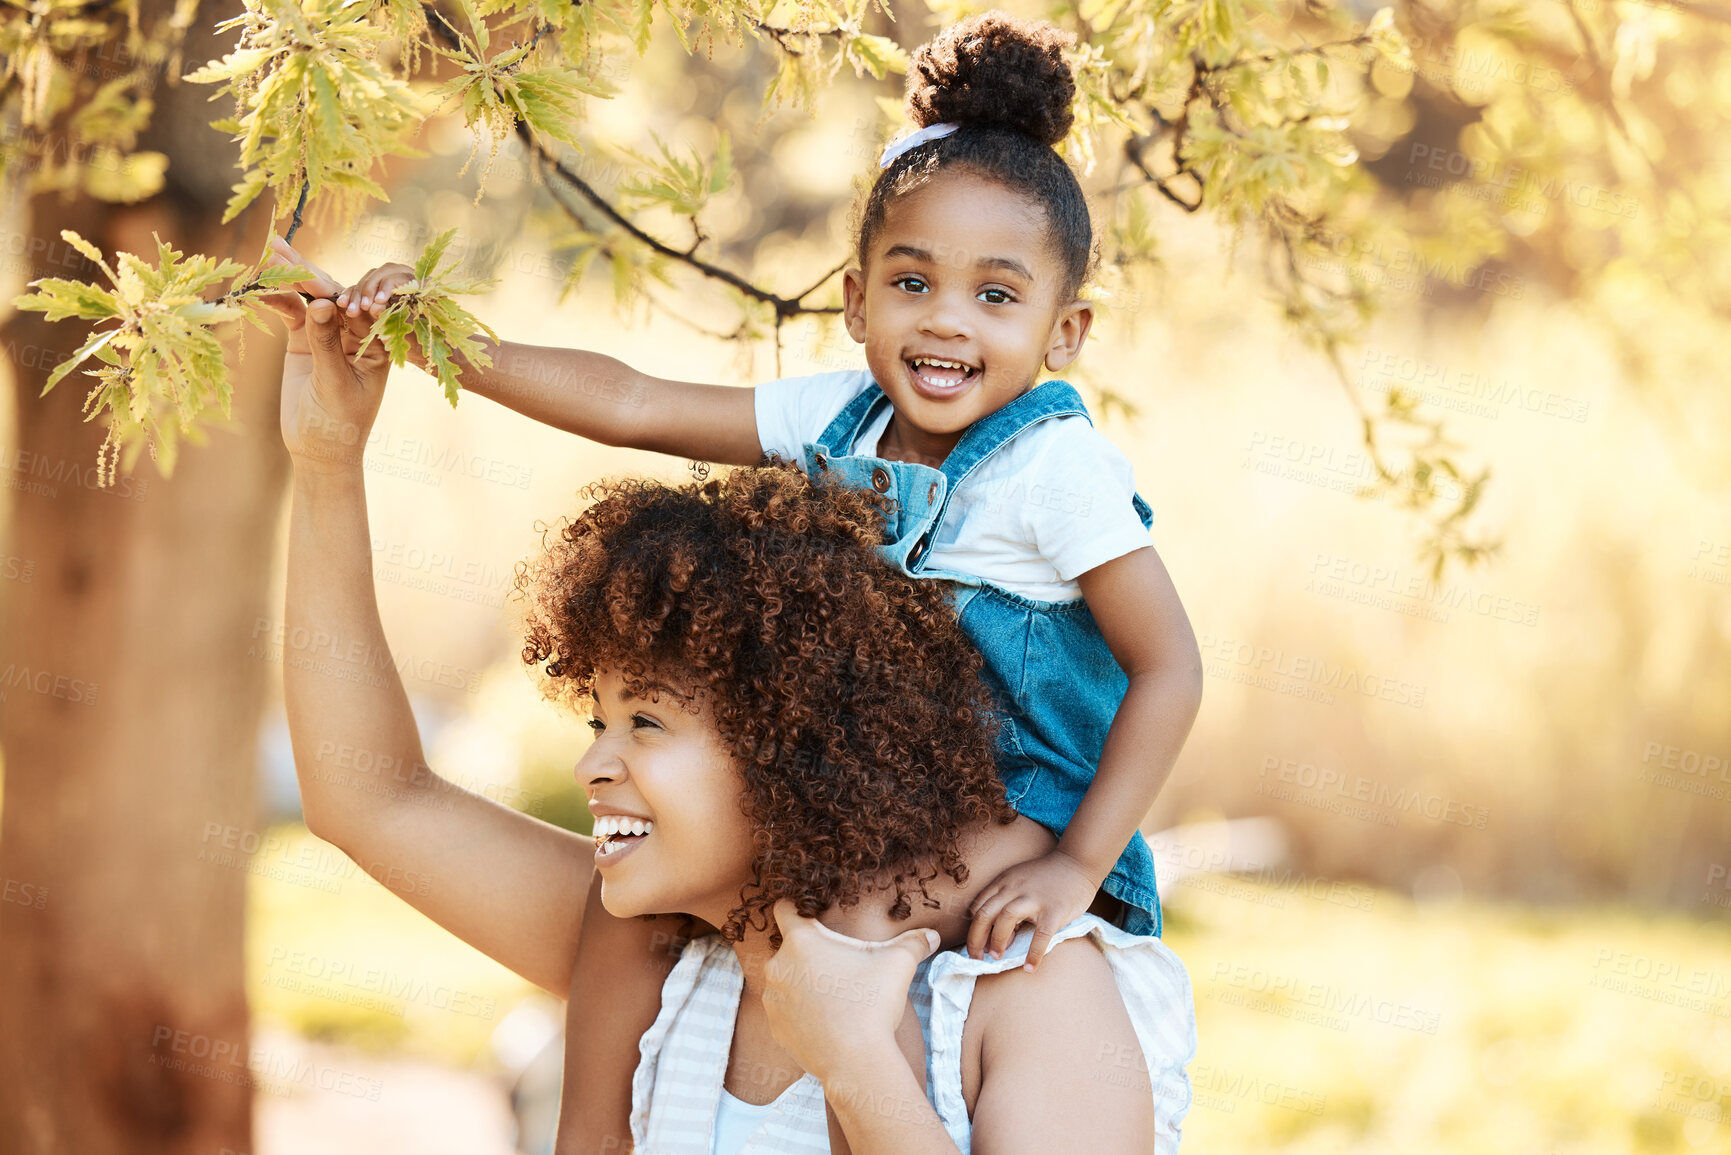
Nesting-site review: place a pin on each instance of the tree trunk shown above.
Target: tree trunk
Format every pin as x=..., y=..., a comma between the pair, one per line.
x=128, y=719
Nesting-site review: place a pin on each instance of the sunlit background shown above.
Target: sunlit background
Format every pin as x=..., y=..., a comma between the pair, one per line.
x=1446, y=857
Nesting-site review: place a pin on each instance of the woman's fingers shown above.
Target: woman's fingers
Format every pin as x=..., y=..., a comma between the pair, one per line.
x=322, y=284
x=325, y=332
x=289, y=306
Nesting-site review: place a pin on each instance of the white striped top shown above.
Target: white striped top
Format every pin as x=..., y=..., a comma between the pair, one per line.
x=676, y=1089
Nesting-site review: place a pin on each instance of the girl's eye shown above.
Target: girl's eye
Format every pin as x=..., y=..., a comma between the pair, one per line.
x=911, y=284
x=996, y=296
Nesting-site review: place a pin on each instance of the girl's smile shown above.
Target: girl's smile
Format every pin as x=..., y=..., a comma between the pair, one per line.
x=956, y=329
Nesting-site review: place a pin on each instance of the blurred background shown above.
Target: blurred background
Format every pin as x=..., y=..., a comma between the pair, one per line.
x=1448, y=853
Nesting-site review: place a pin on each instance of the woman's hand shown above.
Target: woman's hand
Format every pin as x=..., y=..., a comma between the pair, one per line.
x=329, y=397
x=832, y=1000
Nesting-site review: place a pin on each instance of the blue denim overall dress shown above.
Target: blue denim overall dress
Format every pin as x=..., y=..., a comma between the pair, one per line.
x=1056, y=683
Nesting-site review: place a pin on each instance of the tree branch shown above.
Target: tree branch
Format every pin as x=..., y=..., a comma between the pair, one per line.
x=784, y=307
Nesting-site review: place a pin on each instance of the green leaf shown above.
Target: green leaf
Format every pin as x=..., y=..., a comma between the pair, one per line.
x=96, y=342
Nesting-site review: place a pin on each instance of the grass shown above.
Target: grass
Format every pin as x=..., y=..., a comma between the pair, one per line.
x=1331, y=1019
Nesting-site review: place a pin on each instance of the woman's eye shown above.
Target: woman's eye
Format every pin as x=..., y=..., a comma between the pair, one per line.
x=640, y=720
x=995, y=296
x=596, y=725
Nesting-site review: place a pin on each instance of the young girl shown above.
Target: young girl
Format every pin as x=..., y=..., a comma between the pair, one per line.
x=973, y=244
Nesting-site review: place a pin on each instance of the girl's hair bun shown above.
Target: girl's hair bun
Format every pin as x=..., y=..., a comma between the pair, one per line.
x=993, y=70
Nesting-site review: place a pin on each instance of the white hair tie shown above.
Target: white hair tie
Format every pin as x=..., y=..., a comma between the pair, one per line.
x=913, y=140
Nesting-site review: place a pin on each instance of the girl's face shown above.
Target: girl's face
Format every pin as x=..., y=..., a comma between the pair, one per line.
x=659, y=760
x=960, y=303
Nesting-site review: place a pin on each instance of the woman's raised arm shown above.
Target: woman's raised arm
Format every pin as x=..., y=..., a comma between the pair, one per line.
x=506, y=883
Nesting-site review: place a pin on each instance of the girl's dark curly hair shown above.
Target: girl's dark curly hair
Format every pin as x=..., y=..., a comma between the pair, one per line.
x=846, y=691
x=1006, y=83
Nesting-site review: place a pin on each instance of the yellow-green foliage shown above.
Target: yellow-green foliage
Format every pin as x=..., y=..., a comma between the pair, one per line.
x=425, y=309
x=163, y=361
x=316, y=110
x=1588, y=141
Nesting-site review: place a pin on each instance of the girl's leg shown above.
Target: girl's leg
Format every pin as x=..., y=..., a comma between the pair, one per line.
x=615, y=996
x=989, y=851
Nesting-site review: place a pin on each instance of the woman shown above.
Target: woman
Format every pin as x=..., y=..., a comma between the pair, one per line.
x=789, y=725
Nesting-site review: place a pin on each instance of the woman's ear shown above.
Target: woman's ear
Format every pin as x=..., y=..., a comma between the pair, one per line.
x=853, y=304
x=1069, y=332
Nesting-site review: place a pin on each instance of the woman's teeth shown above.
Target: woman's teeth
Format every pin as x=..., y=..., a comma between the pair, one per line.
x=610, y=828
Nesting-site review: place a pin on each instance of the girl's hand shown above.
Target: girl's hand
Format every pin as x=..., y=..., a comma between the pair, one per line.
x=830, y=998
x=371, y=292
x=1051, y=892
x=329, y=398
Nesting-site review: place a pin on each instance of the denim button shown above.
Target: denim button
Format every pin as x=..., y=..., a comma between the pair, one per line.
x=881, y=479
x=932, y=493
x=822, y=461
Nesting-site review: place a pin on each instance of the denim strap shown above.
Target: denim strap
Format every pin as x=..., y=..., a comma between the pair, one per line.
x=981, y=439
x=838, y=438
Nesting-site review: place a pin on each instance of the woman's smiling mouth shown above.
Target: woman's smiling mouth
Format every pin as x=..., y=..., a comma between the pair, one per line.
x=940, y=377
x=616, y=836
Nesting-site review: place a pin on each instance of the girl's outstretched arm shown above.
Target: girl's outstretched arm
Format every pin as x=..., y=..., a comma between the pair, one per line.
x=506, y=883
x=590, y=394
x=1137, y=609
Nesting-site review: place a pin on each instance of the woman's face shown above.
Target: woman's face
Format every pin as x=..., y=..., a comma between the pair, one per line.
x=659, y=760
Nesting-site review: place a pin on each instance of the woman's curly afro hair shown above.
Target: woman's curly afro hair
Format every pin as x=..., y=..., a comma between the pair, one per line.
x=1006, y=83
x=846, y=691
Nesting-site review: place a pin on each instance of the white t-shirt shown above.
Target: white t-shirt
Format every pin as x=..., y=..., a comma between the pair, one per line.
x=1052, y=504
x=735, y=1122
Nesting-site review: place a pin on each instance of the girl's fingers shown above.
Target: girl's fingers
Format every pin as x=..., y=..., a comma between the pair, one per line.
x=1005, y=926
x=1037, y=949
x=985, y=911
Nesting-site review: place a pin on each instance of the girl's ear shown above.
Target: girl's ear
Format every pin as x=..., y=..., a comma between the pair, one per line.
x=1069, y=331
x=853, y=304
